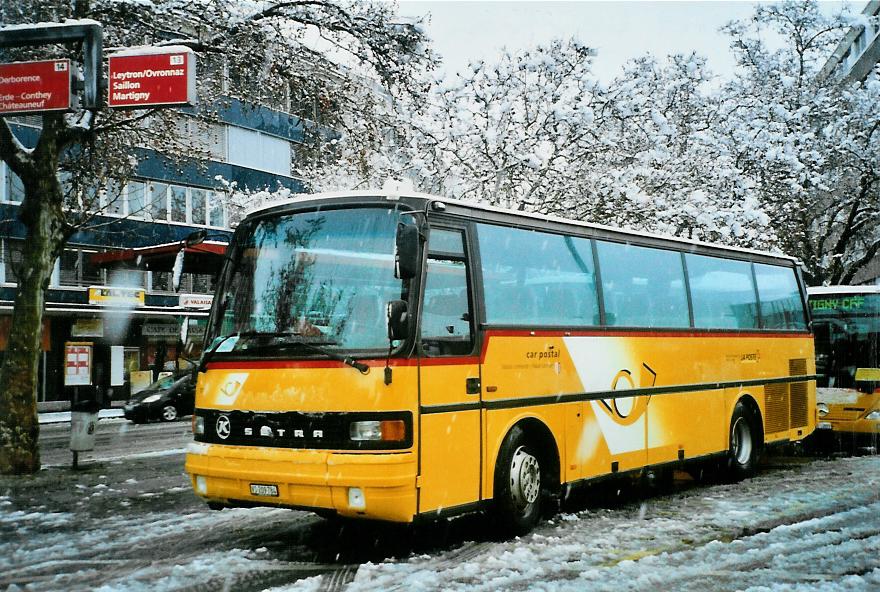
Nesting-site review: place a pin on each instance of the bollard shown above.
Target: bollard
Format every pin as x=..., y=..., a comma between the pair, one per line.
x=83, y=428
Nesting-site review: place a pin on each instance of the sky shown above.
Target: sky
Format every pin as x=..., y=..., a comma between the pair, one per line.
x=463, y=31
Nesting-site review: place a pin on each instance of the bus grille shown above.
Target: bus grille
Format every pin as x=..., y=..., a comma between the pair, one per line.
x=798, y=367
x=776, y=407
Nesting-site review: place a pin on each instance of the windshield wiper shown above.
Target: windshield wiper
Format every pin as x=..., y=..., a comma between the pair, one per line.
x=206, y=356
x=296, y=338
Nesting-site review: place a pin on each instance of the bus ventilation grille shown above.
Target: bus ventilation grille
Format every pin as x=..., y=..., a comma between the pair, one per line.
x=798, y=367
x=776, y=408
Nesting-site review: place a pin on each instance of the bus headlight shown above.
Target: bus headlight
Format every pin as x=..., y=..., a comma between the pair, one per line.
x=822, y=408
x=198, y=425
x=873, y=416
x=374, y=430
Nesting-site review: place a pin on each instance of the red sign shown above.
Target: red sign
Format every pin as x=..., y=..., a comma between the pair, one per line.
x=151, y=79
x=31, y=87
x=77, y=364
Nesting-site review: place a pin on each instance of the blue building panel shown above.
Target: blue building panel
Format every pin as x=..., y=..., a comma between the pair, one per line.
x=152, y=165
x=262, y=119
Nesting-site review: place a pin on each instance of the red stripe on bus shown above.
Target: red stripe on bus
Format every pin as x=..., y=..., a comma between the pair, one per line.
x=638, y=333
x=379, y=363
x=466, y=360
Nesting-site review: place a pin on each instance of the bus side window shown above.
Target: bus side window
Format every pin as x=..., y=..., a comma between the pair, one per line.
x=446, y=316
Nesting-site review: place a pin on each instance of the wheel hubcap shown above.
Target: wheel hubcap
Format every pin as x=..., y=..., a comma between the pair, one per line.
x=525, y=478
x=742, y=441
x=169, y=413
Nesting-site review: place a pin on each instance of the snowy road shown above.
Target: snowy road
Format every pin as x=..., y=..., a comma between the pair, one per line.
x=128, y=521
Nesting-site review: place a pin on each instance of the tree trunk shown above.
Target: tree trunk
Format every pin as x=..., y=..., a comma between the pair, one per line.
x=42, y=214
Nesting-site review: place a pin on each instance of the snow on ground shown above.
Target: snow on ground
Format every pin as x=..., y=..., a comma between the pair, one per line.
x=816, y=528
x=799, y=525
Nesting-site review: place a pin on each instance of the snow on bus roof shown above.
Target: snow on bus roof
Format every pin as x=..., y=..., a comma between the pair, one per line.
x=823, y=290
x=395, y=195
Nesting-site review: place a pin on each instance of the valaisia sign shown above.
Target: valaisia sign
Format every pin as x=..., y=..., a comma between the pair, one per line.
x=152, y=77
x=32, y=87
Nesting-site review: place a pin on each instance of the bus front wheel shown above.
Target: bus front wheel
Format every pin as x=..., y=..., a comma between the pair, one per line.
x=745, y=443
x=517, y=484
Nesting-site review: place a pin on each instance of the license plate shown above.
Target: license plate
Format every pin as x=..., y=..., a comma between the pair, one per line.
x=264, y=490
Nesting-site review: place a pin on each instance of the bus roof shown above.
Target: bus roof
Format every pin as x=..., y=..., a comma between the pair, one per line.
x=826, y=290
x=479, y=207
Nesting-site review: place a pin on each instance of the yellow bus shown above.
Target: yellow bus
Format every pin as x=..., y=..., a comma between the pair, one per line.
x=402, y=357
x=846, y=323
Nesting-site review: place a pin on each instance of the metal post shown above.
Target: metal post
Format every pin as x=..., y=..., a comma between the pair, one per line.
x=92, y=36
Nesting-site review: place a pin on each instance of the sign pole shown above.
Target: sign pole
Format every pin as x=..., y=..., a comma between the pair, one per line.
x=92, y=36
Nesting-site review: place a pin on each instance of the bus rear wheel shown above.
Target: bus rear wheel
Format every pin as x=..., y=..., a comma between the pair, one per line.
x=745, y=443
x=518, y=475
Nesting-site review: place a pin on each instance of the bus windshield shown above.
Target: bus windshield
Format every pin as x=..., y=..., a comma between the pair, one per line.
x=320, y=277
x=846, y=327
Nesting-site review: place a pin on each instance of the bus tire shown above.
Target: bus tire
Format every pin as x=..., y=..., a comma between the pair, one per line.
x=744, y=443
x=518, y=473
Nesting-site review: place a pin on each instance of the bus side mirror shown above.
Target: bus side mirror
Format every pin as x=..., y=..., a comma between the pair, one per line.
x=398, y=320
x=406, y=251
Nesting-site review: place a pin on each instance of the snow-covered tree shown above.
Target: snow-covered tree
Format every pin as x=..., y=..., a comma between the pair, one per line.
x=664, y=169
x=810, y=143
x=536, y=131
x=277, y=53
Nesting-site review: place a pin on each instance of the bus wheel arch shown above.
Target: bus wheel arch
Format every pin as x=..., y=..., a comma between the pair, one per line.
x=527, y=477
x=745, y=439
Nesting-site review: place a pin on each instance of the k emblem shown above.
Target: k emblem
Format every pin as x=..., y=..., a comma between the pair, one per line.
x=223, y=427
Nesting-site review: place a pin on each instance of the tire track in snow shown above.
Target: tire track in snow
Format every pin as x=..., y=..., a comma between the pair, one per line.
x=338, y=579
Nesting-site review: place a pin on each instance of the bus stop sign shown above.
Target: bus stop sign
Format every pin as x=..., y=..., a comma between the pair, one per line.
x=166, y=76
x=32, y=87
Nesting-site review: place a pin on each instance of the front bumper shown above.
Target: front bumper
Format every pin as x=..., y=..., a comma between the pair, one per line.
x=857, y=426
x=379, y=485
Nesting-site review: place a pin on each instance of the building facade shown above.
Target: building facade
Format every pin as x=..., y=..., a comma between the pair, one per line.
x=859, y=50
x=131, y=319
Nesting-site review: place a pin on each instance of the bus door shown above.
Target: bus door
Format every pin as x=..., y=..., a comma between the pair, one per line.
x=449, y=378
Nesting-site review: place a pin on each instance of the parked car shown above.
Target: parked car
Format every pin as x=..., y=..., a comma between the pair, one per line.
x=166, y=399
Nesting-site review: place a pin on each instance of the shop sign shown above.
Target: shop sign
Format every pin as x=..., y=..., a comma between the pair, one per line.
x=197, y=330
x=77, y=364
x=196, y=301
x=160, y=330
x=163, y=76
x=87, y=328
x=33, y=87
x=116, y=296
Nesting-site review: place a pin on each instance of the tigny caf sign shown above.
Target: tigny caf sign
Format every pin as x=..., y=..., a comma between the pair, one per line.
x=152, y=77
x=30, y=87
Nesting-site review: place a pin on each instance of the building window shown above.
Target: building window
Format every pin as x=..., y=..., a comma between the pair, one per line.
x=178, y=203
x=159, y=201
x=113, y=199
x=137, y=199
x=259, y=151
x=128, y=278
x=216, y=210
x=11, y=253
x=13, y=188
x=202, y=283
x=197, y=201
x=76, y=269
x=161, y=281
